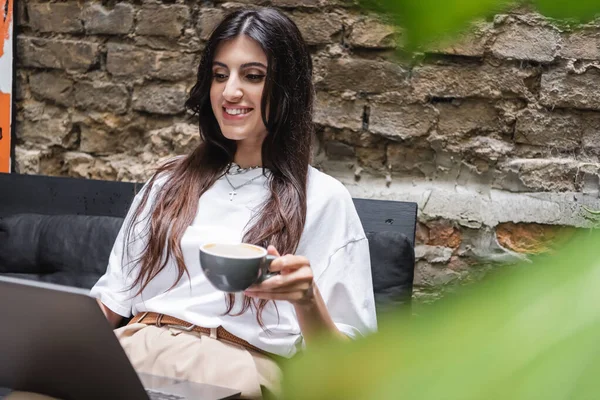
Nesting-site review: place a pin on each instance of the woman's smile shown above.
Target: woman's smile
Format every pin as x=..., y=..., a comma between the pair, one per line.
x=236, y=113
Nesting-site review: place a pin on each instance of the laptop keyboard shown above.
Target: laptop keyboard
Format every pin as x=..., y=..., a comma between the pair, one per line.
x=155, y=395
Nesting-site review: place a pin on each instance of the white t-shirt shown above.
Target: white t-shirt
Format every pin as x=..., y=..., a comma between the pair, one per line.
x=333, y=240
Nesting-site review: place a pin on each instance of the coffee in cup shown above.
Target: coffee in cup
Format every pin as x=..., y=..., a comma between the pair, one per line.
x=235, y=267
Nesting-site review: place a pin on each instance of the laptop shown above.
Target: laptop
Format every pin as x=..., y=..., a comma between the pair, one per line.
x=55, y=340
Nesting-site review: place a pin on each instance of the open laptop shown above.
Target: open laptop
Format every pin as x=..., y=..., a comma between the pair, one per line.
x=54, y=340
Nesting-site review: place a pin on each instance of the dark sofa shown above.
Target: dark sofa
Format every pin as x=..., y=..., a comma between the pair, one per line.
x=61, y=230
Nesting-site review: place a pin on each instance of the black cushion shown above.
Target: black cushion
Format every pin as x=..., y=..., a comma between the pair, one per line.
x=392, y=267
x=65, y=249
x=74, y=249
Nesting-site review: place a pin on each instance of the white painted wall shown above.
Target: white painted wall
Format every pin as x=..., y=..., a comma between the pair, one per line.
x=6, y=72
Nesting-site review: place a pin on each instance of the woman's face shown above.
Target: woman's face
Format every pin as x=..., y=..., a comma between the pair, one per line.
x=239, y=71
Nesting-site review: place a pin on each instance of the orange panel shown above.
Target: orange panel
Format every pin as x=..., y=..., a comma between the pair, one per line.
x=6, y=12
x=4, y=132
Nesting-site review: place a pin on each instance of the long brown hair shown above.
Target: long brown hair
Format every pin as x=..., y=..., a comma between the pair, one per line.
x=286, y=110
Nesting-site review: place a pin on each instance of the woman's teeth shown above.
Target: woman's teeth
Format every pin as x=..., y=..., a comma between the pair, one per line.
x=237, y=111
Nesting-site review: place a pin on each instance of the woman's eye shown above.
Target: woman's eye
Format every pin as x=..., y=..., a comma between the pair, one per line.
x=255, y=77
x=219, y=77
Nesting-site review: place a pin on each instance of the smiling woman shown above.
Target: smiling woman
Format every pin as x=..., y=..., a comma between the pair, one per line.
x=6, y=73
x=250, y=180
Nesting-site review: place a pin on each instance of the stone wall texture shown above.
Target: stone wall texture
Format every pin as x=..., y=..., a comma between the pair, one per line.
x=496, y=136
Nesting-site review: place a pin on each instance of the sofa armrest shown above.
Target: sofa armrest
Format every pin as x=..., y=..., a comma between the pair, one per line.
x=392, y=267
x=66, y=249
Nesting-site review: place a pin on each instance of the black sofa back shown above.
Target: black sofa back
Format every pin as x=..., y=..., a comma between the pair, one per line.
x=61, y=230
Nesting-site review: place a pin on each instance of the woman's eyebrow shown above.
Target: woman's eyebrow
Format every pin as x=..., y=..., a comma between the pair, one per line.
x=254, y=64
x=243, y=66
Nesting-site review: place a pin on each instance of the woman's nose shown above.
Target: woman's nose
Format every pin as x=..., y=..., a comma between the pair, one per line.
x=233, y=91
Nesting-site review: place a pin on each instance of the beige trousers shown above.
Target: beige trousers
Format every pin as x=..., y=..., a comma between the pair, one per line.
x=195, y=357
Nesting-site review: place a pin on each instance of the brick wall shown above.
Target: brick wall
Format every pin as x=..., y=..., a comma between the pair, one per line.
x=496, y=136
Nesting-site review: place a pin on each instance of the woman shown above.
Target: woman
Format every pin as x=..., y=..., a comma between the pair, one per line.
x=249, y=181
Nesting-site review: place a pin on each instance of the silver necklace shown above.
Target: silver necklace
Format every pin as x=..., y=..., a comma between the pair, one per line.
x=234, y=169
x=233, y=192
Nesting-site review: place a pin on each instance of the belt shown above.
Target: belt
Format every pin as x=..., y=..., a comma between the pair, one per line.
x=160, y=320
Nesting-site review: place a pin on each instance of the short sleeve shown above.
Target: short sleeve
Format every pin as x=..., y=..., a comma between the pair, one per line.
x=346, y=286
x=113, y=289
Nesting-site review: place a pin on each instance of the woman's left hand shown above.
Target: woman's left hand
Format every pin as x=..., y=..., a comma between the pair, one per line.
x=294, y=282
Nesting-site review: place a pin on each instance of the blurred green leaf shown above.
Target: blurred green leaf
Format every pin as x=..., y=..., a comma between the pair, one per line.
x=426, y=22
x=525, y=333
x=580, y=10
x=429, y=21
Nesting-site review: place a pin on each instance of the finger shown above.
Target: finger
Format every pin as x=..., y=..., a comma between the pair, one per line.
x=272, y=251
x=301, y=287
x=297, y=276
x=288, y=296
x=301, y=276
x=289, y=262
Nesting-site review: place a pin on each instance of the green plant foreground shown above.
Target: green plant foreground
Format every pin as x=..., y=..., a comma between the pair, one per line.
x=526, y=332
x=530, y=332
